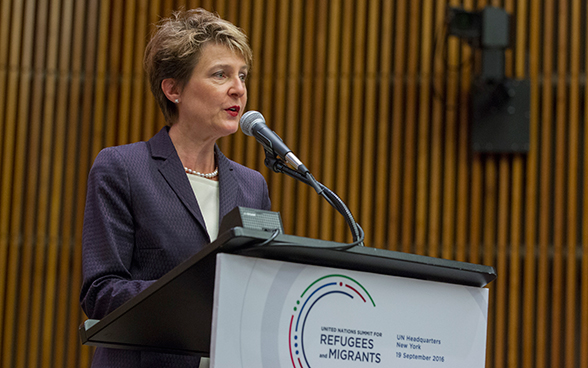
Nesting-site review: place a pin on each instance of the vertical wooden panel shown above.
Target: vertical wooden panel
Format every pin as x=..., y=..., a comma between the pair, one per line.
x=167, y=7
x=100, y=78
x=164, y=9
x=357, y=103
x=572, y=186
x=59, y=60
x=206, y=4
x=450, y=149
x=409, y=131
x=253, y=154
x=516, y=213
x=330, y=115
x=220, y=7
x=559, y=214
x=5, y=12
x=345, y=119
x=68, y=279
x=150, y=120
x=532, y=188
x=113, y=75
x=87, y=152
x=489, y=244
x=437, y=112
x=302, y=225
x=488, y=221
x=366, y=190
x=449, y=163
x=463, y=156
x=230, y=10
x=268, y=53
x=397, y=125
x=8, y=154
x=292, y=116
x=320, y=65
x=509, y=207
x=423, y=135
x=20, y=115
x=138, y=94
x=478, y=233
x=584, y=268
x=514, y=267
x=279, y=106
x=383, y=153
x=500, y=286
x=275, y=80
x=477, y=203
x=126, y=77
x=545, y=229
x=40, y=216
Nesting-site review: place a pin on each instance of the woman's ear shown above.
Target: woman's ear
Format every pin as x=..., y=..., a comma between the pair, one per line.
x=171, y=90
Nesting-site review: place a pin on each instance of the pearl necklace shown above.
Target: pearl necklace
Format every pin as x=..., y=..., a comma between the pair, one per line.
x=207, y=176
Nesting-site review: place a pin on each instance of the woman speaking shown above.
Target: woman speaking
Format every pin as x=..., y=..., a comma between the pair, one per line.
x=151, y=205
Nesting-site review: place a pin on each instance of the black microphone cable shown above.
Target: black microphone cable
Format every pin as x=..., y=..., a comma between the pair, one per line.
x=276, y=164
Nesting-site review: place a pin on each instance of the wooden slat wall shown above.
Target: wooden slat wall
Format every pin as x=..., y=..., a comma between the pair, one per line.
x=373, y=97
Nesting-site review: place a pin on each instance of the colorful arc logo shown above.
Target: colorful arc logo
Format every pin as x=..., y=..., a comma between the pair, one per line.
x=321, y=288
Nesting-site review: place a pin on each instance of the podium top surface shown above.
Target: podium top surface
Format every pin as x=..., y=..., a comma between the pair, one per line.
x=174, y=314
x=297, y=249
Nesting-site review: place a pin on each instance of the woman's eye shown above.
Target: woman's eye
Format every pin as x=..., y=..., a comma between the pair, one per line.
x=243, y=76
x=220, y=74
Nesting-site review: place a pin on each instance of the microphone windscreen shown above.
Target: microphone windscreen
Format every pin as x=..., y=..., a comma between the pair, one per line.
x=249, y=120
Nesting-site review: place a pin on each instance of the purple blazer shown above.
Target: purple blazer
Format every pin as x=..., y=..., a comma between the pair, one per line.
x=141, y=220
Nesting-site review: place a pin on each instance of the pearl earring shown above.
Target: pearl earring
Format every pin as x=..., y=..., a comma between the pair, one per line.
x=177, y=101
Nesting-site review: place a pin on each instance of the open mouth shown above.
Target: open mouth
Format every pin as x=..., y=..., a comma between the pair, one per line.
x=233, y=110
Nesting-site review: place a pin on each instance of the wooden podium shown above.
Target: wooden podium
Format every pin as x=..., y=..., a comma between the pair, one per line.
x=174, y=314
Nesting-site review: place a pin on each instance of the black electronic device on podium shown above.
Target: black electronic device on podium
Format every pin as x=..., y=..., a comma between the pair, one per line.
x=174, y=314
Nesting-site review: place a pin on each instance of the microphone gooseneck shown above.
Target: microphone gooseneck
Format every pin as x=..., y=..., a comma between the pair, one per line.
x=253, y=124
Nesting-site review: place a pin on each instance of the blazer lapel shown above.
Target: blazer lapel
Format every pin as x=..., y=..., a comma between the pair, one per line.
x=228, y=186
x=170, y=166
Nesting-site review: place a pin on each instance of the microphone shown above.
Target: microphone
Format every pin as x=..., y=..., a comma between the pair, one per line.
x=253, y=124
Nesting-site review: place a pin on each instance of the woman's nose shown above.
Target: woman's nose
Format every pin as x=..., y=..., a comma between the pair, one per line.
x=238, y=87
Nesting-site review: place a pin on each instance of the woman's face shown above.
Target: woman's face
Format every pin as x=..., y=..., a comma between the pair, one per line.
x=214, y=98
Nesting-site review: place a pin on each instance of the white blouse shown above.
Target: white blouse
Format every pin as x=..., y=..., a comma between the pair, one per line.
x=207, y=194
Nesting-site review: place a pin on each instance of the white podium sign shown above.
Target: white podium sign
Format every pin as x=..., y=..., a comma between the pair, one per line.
x=273, y=314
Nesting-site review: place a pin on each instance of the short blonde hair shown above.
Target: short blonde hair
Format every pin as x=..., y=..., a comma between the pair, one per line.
x=176, y=46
